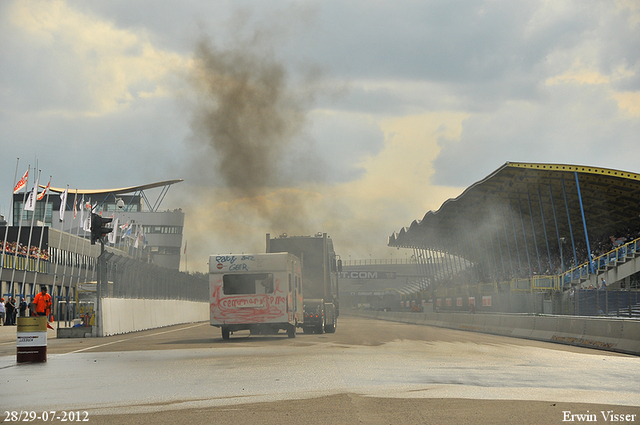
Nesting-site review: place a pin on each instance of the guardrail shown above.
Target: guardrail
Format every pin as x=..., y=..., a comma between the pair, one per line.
x=23, y=263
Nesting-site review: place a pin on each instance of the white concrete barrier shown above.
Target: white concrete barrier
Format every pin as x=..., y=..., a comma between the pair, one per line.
x=121, y=315
x=630, y=340
x=621, y=335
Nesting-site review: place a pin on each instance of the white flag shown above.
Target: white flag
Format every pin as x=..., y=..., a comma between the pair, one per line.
x=30, y=205
x=137, y=240
x=112, y=236
x=82, y=210
x=86, y=224
x=63, y=203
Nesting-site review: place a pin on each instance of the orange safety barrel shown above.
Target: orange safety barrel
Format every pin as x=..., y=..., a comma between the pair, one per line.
x=32, y=339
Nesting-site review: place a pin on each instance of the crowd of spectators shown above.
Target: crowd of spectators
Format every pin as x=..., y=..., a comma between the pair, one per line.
x=510, y=267
x=24, y=251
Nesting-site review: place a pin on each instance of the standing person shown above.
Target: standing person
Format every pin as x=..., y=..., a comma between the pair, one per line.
x=15, y=311
x=23, y=308
x=42, y=303
x=2, y=311
x=603, y=286
x=10, y=308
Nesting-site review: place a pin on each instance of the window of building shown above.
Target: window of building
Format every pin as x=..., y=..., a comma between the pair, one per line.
x=164, y=230
x=27, y=216
x=165, y=250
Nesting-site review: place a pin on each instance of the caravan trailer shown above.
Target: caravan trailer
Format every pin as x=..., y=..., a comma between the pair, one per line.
x=261, y=293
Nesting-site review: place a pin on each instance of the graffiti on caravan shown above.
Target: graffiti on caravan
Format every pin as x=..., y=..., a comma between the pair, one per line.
x=367, y=275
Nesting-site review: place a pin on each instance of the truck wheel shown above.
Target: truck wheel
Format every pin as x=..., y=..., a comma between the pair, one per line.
x=291, y=331
x=332, y=327
x=225, y=333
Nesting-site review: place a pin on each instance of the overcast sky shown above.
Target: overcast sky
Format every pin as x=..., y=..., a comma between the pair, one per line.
x=352, y=118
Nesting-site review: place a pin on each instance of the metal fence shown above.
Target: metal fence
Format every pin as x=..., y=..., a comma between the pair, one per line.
x=593, y=302
x=130, y=278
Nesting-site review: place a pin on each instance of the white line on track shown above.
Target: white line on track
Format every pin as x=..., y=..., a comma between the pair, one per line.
x=135, y=337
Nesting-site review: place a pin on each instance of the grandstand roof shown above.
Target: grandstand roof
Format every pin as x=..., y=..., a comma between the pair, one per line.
x=529, y=200
x=118, y=191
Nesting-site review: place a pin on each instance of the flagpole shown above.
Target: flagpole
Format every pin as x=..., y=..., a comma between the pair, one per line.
x=75, y=249
x=94, y=272
x=84, y=241
x=64, y=271
x=6, y=227
x=86, y=271
x=15, y=255
x=55, y=272
x=44, y=225
x=34, y=194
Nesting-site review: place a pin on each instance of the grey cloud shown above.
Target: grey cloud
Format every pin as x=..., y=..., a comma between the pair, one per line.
x=574, y=125
x=133, y=146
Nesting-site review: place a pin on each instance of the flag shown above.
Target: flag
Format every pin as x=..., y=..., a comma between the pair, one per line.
x=143, y=237
x=30, y=205
x=22, y=183
x=63, y=203
x=86, y=224
x=44, y=192
x=185, y=246
x=82, y=210
x=75, y=208
x=112, y=236
x=128, y=231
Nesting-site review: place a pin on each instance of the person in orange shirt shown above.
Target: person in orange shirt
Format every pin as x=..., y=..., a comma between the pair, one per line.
x=42, y=303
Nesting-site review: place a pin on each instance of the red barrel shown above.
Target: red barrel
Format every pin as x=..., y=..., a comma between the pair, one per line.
x=32, y=339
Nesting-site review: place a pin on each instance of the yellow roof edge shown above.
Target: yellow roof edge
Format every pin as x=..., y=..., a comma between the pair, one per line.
x=610, y=172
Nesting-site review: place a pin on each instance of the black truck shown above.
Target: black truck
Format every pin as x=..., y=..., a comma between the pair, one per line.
x=320, y=268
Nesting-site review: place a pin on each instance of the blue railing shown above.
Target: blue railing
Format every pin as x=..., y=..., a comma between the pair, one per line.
x=610, y=259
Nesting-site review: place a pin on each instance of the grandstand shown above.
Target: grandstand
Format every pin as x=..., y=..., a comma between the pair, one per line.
x=551, y=232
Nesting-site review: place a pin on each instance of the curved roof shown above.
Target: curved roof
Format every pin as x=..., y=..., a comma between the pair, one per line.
x=530, y=200
x=119, y=191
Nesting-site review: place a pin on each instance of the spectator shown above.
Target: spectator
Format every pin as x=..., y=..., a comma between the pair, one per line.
x=23, y=308
x=10, y=308
x=2, y=311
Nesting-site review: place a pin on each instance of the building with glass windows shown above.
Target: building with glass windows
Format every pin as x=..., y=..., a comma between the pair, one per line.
x=142, y=229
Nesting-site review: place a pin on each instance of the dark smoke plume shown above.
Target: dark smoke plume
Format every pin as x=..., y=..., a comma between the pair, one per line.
x=248, y=148
x=247, y=115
